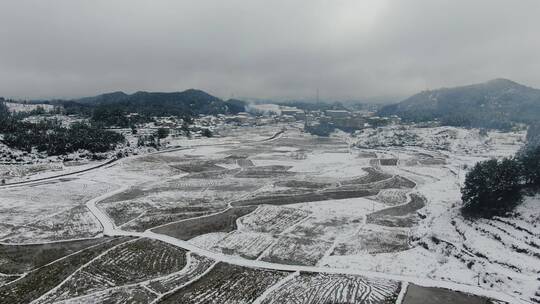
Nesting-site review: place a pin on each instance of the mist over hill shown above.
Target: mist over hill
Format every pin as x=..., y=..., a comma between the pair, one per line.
x=497, y=103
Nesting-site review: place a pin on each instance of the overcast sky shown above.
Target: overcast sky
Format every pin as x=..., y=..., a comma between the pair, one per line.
x=267, y=49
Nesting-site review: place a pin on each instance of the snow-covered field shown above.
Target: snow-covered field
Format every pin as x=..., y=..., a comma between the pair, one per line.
x=273, y=212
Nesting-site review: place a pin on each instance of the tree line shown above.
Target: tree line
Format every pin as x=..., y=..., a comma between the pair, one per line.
x=496, y=187
x=51, y=137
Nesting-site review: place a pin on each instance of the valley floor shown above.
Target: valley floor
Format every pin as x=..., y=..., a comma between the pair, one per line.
x=271, y=216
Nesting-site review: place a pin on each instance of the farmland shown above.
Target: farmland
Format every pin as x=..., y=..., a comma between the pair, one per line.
x=128, y=263
x=39, y=281
x=323, y=288
x=227, y=284
x=23, y=258
x=268, y=217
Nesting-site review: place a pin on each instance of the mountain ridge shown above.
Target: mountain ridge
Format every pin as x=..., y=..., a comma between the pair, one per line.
x=188, y=102
x=498, y=103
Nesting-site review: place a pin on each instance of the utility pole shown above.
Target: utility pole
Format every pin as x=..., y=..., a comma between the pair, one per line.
x=478, y=278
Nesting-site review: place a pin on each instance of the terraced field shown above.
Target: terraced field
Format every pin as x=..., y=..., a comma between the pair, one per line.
x=196, y=267
x=398, y=216
x=41, y=280
x=244, y=243
x=122, y=295
x=219, y=222
x=128, y=263
x=226, y=284
x=296, y=251
x=18, y=259
x=287, y=198
x=392, y=197
x=325, y=288
x=73, y=223
x=271, y=219
x=373, y=240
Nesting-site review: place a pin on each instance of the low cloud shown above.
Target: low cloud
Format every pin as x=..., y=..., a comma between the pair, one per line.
x=267, y=49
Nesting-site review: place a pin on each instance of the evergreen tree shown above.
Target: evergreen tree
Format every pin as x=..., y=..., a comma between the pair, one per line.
x=529, y=160
x=492, y=188
x=162, y=133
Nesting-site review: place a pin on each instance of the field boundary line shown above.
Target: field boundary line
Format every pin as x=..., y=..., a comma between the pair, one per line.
x=97, y=236
x=22, y=275
x=141, y=284
x=172, y=291
x=187, y=219
x=185, y=269
x=402, y=292
x=276, y=286
x=41, y=298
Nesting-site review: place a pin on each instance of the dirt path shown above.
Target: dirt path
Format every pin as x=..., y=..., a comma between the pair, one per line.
x=112, y=161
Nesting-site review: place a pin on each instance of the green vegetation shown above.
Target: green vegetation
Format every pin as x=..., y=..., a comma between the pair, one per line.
x=123, y=110
x=113, y=115
x=51, y=137
x=162, y=133
x=533, y=135
x=492, y=188
x=529, y=158
x=207, y=133
x=495, y=188
x=4, y=113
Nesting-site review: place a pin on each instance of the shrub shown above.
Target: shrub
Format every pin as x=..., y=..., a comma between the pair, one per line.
x=162, y=133
x=207, y=133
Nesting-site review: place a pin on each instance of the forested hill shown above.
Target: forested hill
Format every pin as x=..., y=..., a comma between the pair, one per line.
x=186, y=103
x=494, y=104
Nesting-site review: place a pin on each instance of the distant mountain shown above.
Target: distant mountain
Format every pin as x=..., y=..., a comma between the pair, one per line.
x=104, y=98
x=189, y=102
x=494, y=104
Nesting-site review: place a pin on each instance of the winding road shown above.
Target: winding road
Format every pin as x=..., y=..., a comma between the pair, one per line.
x=109, y=229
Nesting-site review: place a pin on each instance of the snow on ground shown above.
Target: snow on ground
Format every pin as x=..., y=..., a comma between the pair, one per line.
x=50, y=210
x=456, y=140
x=387, y=232
x=356, y=207
x=208, y=240
x=447, y=247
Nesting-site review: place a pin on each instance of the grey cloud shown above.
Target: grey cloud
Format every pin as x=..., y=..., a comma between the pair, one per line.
x=281, y=48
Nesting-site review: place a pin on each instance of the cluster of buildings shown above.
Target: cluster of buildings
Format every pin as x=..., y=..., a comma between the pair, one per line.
x=329, y=119
x=341, y=119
